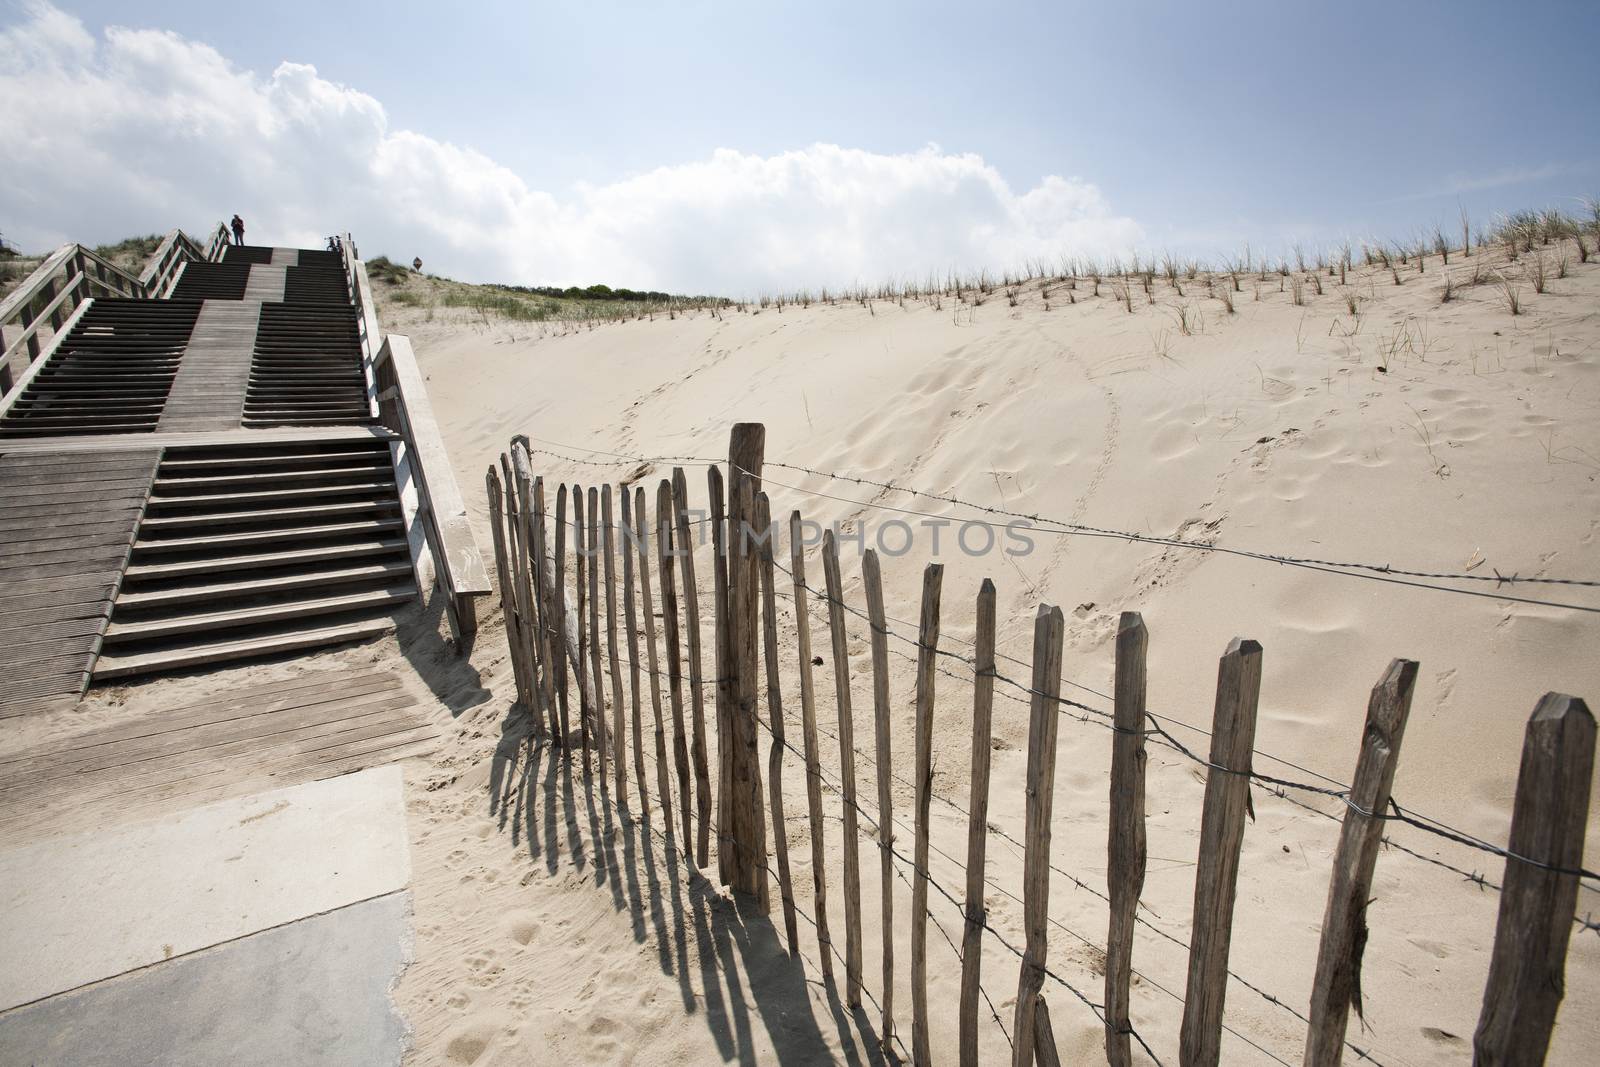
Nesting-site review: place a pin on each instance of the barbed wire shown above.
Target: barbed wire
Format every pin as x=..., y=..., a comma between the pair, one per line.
x=1386, y=572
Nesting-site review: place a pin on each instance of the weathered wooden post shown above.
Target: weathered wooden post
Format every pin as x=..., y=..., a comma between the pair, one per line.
x=630, y=619
x=665, y=552
x=508, y=605
x=1233, y=732
x=847, y=771
x=581, y=594
x=746, y=449
x=726, y=844
x=619, y=731
x=977, y=916
x=1125, y=872
x=927, y=651
x=1527, y=971
x=663, y=782
x=769, y=630
x=872, y=580
x=1344, y=923
x=684, y=553
x=1044, y=1035
x=558, y=598
x=1043, y=716
x=549, y=650
x=808, y=725
x=596, y=671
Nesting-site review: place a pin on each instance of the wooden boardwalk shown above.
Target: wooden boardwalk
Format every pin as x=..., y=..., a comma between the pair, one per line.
x=67, y=523
x=208, y=391
x=240, y=741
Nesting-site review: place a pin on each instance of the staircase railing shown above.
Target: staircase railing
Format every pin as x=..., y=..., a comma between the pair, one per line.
x=34, y=313
x=400, y=401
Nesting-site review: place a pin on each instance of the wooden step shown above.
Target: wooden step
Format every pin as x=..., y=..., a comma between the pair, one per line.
x=166, y=485
x=222, y=649
x=314, y=579
x=271, y=496
x=265, y=537
x=155, y=524
x=258, y=615
x=261, y=560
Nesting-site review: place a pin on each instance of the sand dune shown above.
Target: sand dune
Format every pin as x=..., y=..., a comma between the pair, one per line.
x=1448, y=437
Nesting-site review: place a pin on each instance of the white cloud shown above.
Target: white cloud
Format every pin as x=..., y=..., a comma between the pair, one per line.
x=143, y=130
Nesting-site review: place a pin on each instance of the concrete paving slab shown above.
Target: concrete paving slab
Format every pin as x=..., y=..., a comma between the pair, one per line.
x=310, y=993
x=75, y=910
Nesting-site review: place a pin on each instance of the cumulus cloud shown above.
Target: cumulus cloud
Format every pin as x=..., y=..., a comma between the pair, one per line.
x=143, y=129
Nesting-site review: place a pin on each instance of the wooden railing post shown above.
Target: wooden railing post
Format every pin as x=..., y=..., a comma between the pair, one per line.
x=1044, y=1035
x=1126, y=850
x=1527, y=971
x=977, y=916
x=927, y=653
x=580, y=572
x=1233, y=732
x=508, y=606
x=847, y=771
x=1344, y=922
x=808, y=721
x=1043, y=717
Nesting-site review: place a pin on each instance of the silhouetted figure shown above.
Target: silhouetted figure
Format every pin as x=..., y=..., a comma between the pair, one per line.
x=416, y=264
x=238, y=230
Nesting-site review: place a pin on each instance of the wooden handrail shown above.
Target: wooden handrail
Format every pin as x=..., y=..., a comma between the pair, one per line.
x=399, y=397
x=64, y=281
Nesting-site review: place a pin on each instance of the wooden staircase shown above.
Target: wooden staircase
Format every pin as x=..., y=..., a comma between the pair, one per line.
x=251, y=549
x=111, y=375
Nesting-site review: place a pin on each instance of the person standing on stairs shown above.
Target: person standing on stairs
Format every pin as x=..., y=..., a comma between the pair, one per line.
x=238, y=230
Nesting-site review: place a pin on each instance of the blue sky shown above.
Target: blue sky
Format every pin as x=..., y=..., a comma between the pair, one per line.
x=1197, y=127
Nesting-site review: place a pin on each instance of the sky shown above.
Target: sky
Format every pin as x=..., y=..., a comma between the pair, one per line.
x=745, y=147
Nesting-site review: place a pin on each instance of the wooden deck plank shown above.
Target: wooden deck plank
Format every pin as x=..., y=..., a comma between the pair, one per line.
x=298, y=729
x=66, y=531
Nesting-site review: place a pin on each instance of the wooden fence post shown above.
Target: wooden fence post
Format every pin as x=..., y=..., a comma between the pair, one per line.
x=769, y=627
x=722, y=657
x=1043, y=716
x=665, y=552
x=596, y=671
x=1527, y=972
x=1233, y=731
x=847, y=770
x=808, y=724
x=518, y=567
x=531, y=627
x=1044, y=1035
x=927, y=651
x=977, y=824
x=508, y=608
x=547, y=646
x=1126, y=850
x=580, y=570
x=1344, y=922
x=559, y=596
x=630, y=619
x=748, y=823
x=872, y=579
x=663, y=781
x=619, y=731
x=684, y=546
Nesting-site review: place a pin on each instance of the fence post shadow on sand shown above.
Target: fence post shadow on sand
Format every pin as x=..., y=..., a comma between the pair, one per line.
x=747, y=967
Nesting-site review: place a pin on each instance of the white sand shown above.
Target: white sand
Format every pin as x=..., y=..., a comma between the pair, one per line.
x=1269, y=429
